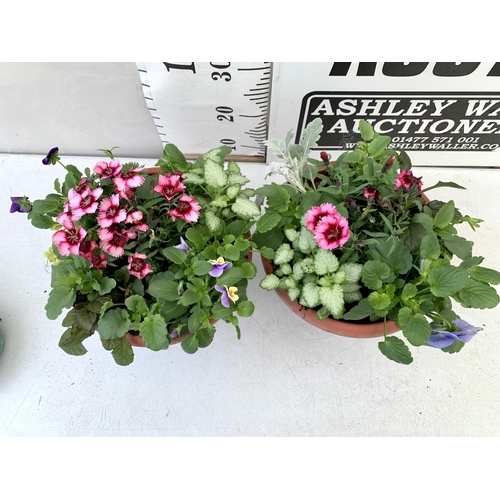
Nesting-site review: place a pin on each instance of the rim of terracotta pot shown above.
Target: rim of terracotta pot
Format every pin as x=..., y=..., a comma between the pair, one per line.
x=337, y=327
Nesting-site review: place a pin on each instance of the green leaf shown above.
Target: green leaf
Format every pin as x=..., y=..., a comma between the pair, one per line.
x=396, y=350
x=230, y=253
x=269, y=282
x=189, y=297
x=414, y=326
x=215, y=176
x=429, y=248
x=137, y=303
x=333, y=299
x=277, y=196
x=164, y=290
x=378, y=145
x=114, y=324
x=454, y=348
x=106, y=285
x=175, y=255
x=153, y=331
x=245, y=308
x=360, y=311
x=86, y=319
x=123, y=354
x=246, y=209
x=249, y=270
x=479, y=295
x=220, y=312
x=379, y=301
x=409, y=291
x=445, y=215
x=190, y=344
x=46, y=206
x=172, y=310
x=73, y=337
x=373, y=273
x=268, y=221
x=195, y=237
x=485, y=275
x=267, y=253
x=459, y=246
x=59, y=298
x=214, y=223
x=41, y=221
x=444, y=184
x=366, y=130
x=447, y=280
x=231, y=277
x=201, y=267
x=174, y=157
x=414, y=236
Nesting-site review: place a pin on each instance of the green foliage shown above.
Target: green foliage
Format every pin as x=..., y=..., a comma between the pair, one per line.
x=177, y=293
x=397, y=262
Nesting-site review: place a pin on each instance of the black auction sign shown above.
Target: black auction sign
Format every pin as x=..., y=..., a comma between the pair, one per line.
x=447, y=114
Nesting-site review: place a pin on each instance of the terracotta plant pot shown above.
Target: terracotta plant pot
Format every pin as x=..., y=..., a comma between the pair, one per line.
x=337, y=327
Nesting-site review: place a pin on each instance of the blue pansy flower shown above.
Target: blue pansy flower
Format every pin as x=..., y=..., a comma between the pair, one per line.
x=443, y=338
x=219, y=266
x=183, y=245
x=20, y=204
x=52, y=157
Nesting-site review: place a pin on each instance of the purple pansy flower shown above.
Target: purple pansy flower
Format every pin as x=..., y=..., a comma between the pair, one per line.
x=19, y=204
x=219, y=266
x=443, y=338
x=52, y=157
x=227, y=293
x=182, y=246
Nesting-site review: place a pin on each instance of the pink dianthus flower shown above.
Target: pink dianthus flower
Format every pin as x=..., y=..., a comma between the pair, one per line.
x=169, y=185
x=315, y=214
x=68, y=241
x=137, y=267
x=188, y=209
x=110, y=212
x=107, y=170
x=332, y=232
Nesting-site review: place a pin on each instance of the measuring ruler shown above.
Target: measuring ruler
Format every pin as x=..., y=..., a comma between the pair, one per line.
x=200, y=106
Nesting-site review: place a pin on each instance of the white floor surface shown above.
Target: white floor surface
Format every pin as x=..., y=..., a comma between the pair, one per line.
x=283, y=378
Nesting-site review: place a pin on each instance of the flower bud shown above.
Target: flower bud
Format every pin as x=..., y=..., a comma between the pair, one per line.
x=388, y=163
x=325, y=157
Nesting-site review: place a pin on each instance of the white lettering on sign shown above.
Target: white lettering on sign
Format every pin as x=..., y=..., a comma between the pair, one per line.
x=384, y=107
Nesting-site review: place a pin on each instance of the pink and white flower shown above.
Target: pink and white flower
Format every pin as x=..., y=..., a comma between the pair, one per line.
x=169, y=185
x=188, y=209
x=137, y=266
x=68, y=240
x=87, y=248
x=99, y=261
x=110, y=212
x=83, y=202
x=315, y=214
x=332, y=232
x=107, y=170
x=126, y=181
x=113, y=240
x=66, y=218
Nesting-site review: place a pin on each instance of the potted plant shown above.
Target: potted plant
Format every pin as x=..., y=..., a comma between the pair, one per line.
x=357, y=243
x=152, y=255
